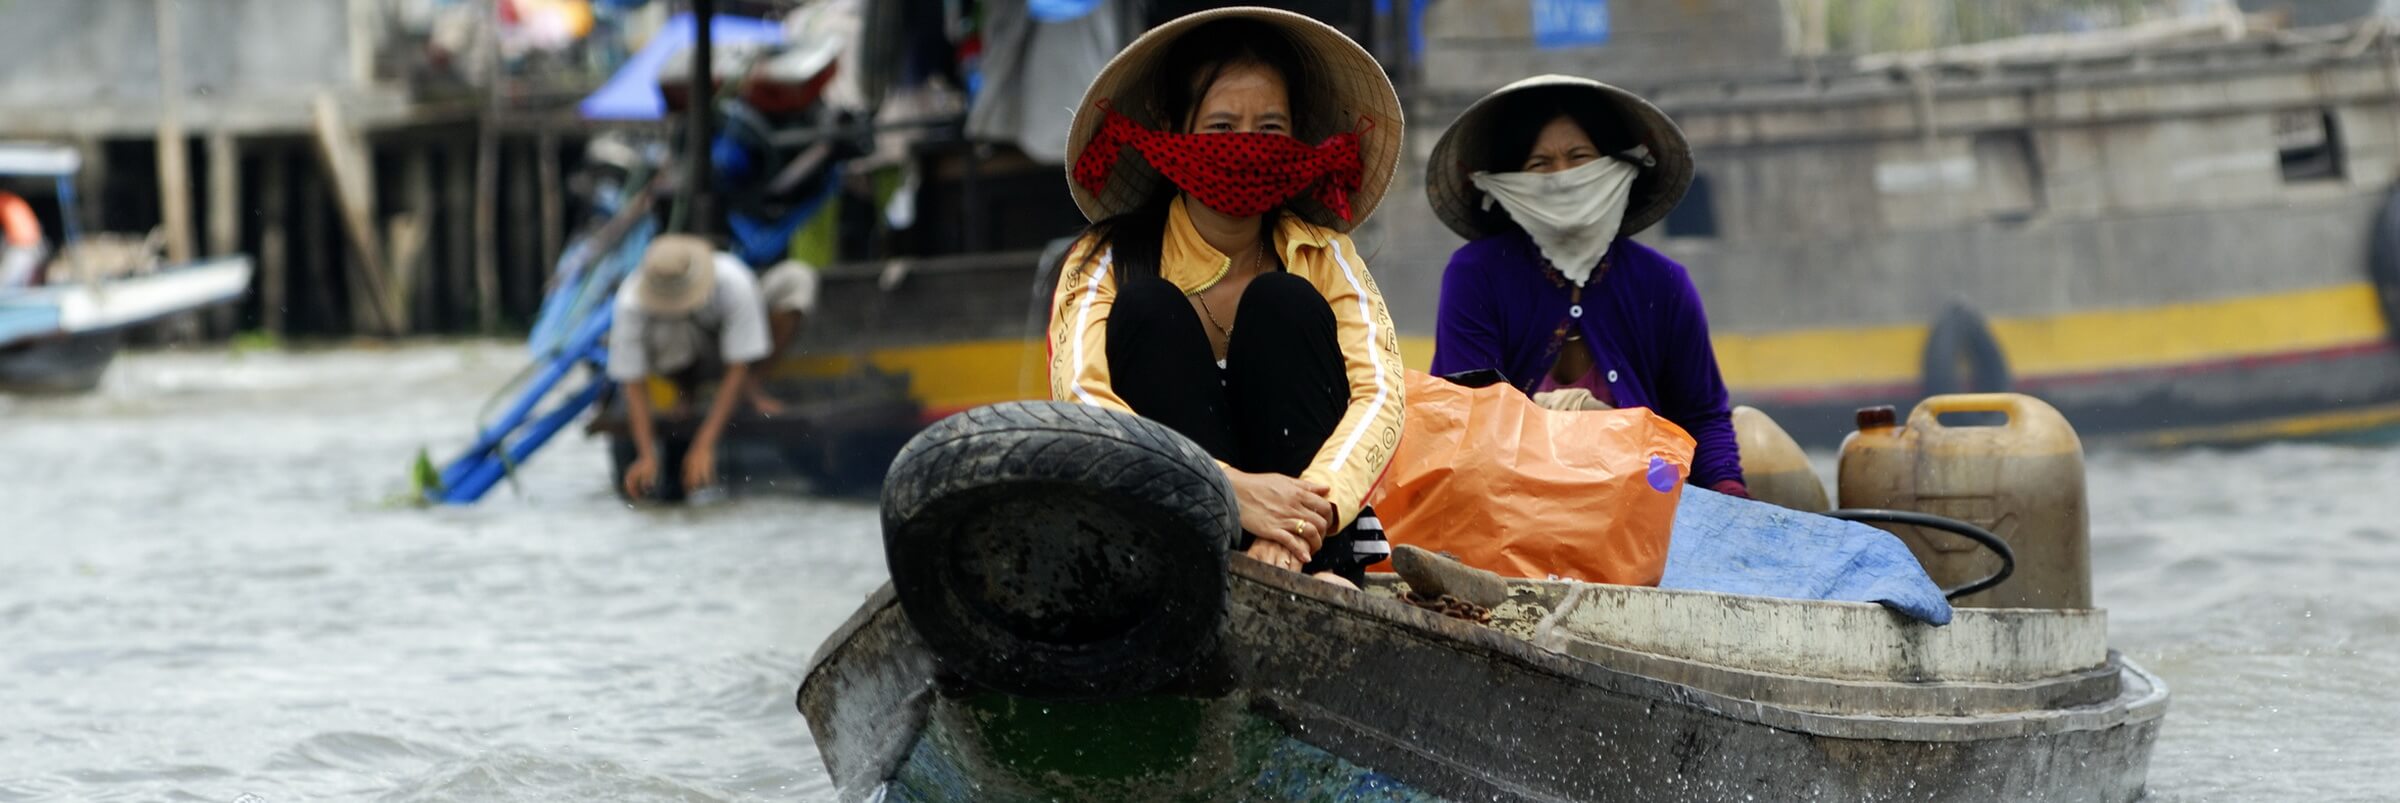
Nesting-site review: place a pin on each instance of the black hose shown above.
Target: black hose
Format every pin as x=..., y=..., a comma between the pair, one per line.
x=2008, y=558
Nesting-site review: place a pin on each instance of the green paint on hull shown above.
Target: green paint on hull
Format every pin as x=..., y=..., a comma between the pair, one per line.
x=992, y=747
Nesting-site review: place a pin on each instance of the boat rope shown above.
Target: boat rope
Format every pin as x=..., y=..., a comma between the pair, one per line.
x=2008, y=557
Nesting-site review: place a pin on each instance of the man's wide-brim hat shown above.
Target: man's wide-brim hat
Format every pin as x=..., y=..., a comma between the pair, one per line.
x=1336, y=72
x=1464, y=147
x=676, y=276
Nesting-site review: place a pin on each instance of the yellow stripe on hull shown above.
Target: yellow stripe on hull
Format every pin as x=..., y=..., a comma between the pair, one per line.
x=956, y=375
x=2097, y=341
x=951, y=375
x=2297, y=427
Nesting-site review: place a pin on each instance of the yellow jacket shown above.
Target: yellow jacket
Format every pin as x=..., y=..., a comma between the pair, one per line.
x=1354, y=457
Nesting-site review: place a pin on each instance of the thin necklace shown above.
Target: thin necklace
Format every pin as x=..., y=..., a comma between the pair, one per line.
x=1212, y=320
x=1222, y=329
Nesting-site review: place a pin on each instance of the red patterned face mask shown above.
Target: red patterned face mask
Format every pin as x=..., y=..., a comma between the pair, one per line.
x=1242, y=175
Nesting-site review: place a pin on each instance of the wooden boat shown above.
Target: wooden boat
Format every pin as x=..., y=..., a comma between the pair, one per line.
x=1313, y=692
x=60, y=336
x=2229, y=272
x=839, y=433
x=1335, y=694
x=2175, y=232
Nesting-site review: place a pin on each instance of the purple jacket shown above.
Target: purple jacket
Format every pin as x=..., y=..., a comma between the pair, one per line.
x=1648, y=334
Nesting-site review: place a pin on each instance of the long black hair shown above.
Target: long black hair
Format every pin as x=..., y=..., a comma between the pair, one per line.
x=1191, y=65
x=1518, y=122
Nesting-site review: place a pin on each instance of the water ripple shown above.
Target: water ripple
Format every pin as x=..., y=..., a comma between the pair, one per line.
x=226, y=605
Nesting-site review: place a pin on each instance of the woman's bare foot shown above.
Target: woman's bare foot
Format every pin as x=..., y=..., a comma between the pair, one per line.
x=1336, y=580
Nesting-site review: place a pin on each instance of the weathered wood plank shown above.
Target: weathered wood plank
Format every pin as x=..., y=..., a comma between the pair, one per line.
x=351, y=168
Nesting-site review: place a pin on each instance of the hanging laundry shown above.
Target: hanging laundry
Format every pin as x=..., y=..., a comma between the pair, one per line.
x=1035, y=71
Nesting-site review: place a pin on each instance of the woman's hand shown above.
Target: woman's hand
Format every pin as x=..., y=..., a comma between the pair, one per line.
x=1569, y=400
x=1273, y=554
x=1290, y=513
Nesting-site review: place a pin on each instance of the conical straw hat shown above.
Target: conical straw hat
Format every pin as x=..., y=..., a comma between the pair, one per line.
x=1655, y=193
x=1340, y=74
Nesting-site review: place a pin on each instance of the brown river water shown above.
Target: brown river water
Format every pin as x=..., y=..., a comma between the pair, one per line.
x=207, y=593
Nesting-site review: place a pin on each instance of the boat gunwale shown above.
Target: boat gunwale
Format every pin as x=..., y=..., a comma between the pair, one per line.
x=906, y=718
x=1923, y=695
x=1567, y=621
x=2136, y=703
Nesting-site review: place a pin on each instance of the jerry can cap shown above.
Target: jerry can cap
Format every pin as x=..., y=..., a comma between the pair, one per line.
x=1881, y=415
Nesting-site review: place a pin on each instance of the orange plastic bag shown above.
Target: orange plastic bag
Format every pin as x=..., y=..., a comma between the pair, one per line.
x=1502, y=484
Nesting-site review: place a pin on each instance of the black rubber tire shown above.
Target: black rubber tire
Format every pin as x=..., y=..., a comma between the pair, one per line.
x=2383, y=263
x=1060, y=551
x=1961, y=335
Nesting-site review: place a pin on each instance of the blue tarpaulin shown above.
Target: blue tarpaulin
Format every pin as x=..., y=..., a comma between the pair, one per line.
x=762, y=242
x=1570, y=23
x=632, y=93
x=1061, y=10
x=1416, y=22
x=1736, y=546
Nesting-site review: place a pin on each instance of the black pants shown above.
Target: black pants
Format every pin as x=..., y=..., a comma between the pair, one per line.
x=1282, y=391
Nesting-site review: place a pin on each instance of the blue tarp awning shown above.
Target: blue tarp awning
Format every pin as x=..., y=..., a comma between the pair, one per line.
x=632, y=93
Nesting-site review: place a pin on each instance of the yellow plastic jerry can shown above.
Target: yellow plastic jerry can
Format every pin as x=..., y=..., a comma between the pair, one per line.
x=2016, y=470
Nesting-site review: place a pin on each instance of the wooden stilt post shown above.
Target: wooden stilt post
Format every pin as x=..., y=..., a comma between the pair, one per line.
x=224, y=215
x=274, y=241
x=554, y=213
x=412, y=232
x=487, y=184
x=318, y=263
x=224, y=194
x=350, y=166
x=91, y=187
x=174, y=164
x=525, y=274
x=458, y=273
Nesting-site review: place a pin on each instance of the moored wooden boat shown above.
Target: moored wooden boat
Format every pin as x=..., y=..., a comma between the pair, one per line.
x=61, y=338
x=59, y=335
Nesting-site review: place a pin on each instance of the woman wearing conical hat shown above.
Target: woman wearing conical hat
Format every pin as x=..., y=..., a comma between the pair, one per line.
x=1548, y=179
x=1222, y=158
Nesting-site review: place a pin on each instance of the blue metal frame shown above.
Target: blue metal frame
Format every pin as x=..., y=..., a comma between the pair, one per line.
x=474, y=472
x=66, y=209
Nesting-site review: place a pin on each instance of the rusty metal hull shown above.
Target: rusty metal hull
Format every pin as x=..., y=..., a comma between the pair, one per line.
x=1465, y=712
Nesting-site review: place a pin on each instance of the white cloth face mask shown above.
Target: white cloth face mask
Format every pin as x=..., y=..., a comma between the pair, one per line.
x=1573, y=214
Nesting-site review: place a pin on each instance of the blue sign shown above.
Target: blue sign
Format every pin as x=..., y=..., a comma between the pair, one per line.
x=1057, y=11
x=1570, y=23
